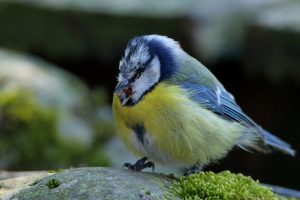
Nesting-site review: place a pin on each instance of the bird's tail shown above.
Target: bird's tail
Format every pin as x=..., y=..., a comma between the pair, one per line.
x=274, y=142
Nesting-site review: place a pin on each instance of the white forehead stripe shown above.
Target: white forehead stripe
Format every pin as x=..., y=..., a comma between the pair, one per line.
x=121, y=63
x=137, y=51
x=140, y=55
x=120, y=78
x=143, y=53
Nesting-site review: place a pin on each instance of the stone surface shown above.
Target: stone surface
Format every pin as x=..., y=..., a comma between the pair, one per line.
x=13, y=185
x=48, y=115
x=87, y=183
x=98, y=183
x=15, y=174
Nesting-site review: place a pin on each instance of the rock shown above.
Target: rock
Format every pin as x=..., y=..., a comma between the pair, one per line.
x=110, y=184
x=48, y=115
x=15, y=174
x=13, y=185
x=88, y=183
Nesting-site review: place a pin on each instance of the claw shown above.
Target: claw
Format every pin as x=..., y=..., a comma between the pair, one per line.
x=140, y=165
x=127, y=165
x=150, y=165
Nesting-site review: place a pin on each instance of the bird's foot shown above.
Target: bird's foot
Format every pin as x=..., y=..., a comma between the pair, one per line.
x=192, y=170
x=140, y=164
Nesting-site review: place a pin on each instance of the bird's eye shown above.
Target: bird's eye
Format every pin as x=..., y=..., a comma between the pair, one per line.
x=137, y=75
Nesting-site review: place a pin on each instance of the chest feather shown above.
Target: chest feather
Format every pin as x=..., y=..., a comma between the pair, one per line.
x=157, y=107
x=154, y=119
x=167, y=125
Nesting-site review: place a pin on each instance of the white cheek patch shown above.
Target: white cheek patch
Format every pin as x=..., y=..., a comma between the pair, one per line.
x=148, y=78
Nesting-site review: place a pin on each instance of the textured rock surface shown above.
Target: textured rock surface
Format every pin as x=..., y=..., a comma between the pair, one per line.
x=13, y=185
x=88, y=183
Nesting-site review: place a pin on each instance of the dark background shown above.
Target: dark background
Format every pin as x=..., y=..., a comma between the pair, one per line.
x=261, y=69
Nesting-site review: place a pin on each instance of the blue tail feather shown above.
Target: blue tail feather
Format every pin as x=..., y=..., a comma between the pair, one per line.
x=277, y=143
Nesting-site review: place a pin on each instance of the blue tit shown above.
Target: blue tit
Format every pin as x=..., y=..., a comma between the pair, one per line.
x=170, y=109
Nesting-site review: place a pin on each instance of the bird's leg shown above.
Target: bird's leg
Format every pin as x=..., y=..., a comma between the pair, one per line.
x=140, y=164
x=193, y=169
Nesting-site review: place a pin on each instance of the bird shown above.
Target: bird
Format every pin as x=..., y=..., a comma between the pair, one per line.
x=168, y=108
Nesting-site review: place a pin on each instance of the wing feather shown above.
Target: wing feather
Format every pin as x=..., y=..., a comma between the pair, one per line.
x=221, y=102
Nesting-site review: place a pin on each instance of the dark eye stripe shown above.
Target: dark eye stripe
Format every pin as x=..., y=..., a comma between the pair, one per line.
x=140, y=70
x=137, y=74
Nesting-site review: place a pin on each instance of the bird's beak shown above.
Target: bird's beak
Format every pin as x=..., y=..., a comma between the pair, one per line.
x=124, y=91
x=120, y=86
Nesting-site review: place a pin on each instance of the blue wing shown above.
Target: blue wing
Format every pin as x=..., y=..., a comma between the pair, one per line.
x=219, y=101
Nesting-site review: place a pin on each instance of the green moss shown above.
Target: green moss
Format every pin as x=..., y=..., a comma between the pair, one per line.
x=29, y=136
x=53, y=183
x=223, y=185
x=28, y=129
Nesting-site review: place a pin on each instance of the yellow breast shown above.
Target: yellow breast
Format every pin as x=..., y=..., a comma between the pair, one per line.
x=178, y=130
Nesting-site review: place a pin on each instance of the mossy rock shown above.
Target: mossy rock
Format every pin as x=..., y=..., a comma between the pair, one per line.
x=95, y=183
x=108, y=183
x=220, y=186
x=49, y=118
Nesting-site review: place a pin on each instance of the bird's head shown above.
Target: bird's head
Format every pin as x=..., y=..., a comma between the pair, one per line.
x=148, y=60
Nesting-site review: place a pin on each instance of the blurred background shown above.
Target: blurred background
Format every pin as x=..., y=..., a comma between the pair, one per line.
x=59, y=60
